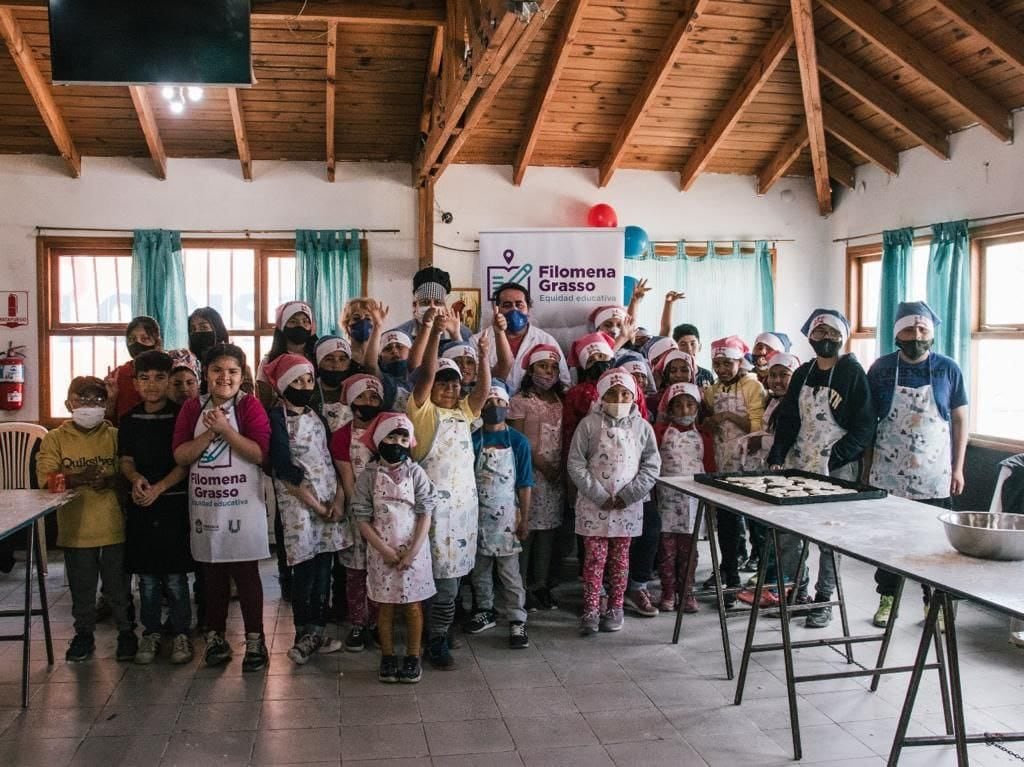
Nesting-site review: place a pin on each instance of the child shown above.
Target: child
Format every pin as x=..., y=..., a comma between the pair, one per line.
x=504, y=480
x=765, y=345
x=351, y=455
x=224, y=437
x=444, y=448
x=141, y=335
x=184, y=379
x=637, y=366
x=614, y=463
x=333, y=365
x=685, y=449
x=90, y=527
x=591, y=355
x=294, y=333
x=394, y=501
x=463, y=354
x=156, y=523
x=674, y=367
x=310, y=500
x=394, y=367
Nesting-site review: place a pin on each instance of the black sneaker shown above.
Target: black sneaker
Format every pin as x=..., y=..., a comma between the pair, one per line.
x=411, y=670
x=517, y=636
x=438, y=654
x=81, y=647
x=256, y=655
x=819, y=617
x=751, y=565
x=481, y=621
x=729, y=597
x=357, y=639
x=127, y=646
x=218, y=651
x=388, y=672
x=304, y=649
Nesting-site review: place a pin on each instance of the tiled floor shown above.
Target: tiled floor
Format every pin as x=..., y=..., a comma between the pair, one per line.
x=626, y=699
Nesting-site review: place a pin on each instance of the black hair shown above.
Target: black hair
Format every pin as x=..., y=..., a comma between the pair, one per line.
x=153, y=361
x=280, y=345
x=527, y=385
x=512, y=286
x=446, y=374
x=399, y=432
x=151, y=326
x=211, y=315
x=686, y=329
x=224, y=350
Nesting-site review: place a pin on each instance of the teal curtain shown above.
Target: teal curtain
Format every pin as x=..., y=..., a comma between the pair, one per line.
x=158, y=283
x=897, y=251
x=327, y=274
x=949, y=291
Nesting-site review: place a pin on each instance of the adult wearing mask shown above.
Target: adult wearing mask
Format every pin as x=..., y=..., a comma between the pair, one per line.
x=921, y=439
x=141, y=335
x=430, y=289
x=206, y=329
x=825, y=423
x=294, y=333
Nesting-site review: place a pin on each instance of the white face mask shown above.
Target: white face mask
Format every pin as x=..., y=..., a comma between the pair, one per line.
x=614, y=331
x=88, y=417
x=617, y=409
x=418, y=312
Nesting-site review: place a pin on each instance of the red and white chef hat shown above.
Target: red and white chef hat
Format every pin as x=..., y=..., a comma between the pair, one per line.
x=282, y=371
x=290, y=308
x=789, y=361
x=730, y=347
x=540, y=353
x=383, y=425
x=585, y=347
x=355, y=385
x=616, y=377
x=604, y=313
x=676, y=390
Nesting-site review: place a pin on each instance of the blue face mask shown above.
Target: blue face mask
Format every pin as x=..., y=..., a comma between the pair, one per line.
x=360, y=330
x=517, y=321
x=396, y=368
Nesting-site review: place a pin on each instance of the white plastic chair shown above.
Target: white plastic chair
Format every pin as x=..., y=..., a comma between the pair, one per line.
x=17, y=441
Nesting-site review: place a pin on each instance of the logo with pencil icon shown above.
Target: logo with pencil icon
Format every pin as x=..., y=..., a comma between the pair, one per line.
x=510, y=272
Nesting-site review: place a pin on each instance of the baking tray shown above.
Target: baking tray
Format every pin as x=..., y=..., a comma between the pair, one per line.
x=858, y=490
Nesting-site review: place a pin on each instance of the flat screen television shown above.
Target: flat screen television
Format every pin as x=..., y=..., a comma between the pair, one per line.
x=188, y=42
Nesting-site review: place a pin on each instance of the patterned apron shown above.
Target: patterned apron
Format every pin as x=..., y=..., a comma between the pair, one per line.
x=913, y=445
x=818, y=433
x=613, y=463
x=453, y=527
x=394, y=498
x=682, y=454
x=496, y=490
x=729, y=437
x=306, y=533
x=756, y=460
x=225, y=501
x=354, y=557
x=335, y=413
x=548, y=500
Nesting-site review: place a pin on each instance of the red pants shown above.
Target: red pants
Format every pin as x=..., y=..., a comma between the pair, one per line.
x=217, y=577
x=674, y=549
x=597, y=553
x=358, y=603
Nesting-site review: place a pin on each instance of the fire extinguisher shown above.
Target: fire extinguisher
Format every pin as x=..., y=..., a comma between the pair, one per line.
x=12, y=378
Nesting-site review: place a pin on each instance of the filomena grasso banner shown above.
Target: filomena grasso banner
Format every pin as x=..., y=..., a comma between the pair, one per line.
x=569, y=273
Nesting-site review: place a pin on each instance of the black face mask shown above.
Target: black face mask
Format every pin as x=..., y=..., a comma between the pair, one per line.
x=494, y=414
x=135, y=348
x=366, y=412
x=298, y=397
x=826, y=347
x=333, y=378
x=596, y=370
x=396, y=368
x=297, y=334
x=393, y=452
x=915, y=349
x=201, y=342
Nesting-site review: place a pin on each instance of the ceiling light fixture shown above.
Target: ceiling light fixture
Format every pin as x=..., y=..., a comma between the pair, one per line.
x=175, y=96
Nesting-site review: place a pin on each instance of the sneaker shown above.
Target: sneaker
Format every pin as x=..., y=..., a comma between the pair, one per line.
x=589, y=624
x=303, y=650
x=256, y=655
x=388, y=672
x=181, y=650
x=709, y=584
x=149, y=648
x=411, y=671
x=881, y=618
x=328, y=644
x=517, y=637
x=127, y=646
x=218, y=651
x=819, y=617
x=640, y=603
x=357, y=639
x=481, y=621
x=667, y=605
x=81, y=647
x=750, y=565
x=729, y=598
x=690, y=604
x=612, y=620
x=1017, y=638
x=768, y=597
x=438, y=654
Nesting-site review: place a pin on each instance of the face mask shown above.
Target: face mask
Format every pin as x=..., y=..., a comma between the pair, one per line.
x=201, y=341
x=361, y=330
x=517, y=321
x=298, y=397
x=396, y=368
x=333, y=378
x=544, y=382
x=597, y=369
x=617, y=409
x=418, y=312
x=826, y=347
x=135, y=348
x=915, y=349
x=684, y=420
x=614, y=332
x=297, y=334
x=392, y=452
x=494, y=414
x=366, y=412
x=88, y=418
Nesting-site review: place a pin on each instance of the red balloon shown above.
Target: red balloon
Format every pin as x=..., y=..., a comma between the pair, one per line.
x=602, y=215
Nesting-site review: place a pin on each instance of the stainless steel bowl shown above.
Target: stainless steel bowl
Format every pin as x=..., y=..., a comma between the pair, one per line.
x=984, y=535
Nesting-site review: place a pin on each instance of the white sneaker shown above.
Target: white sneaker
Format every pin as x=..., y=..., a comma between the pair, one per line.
x=329, y=645
x=149, y=648
x=1017, y=639
x=181, y=650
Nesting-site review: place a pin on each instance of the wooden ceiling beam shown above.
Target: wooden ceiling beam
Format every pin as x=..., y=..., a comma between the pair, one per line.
x=758, y=74
x=559, y=59
x=658, y=72
x=902, y=46
x=241, y=135
x=861, y=140
x=841, y=171
x=874, y=93
x=332, y=87
x=783, y=159
x=425, y=223
x=430, y=79
x=998, y=32
x=40, y=91
x=807, y=59
x=150, y=130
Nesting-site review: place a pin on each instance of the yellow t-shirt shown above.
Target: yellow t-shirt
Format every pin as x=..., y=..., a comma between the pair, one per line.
x=93, y=518
x=750, y=389
x=425, y=419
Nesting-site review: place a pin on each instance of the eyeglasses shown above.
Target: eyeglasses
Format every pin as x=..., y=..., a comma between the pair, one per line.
x=89, y=401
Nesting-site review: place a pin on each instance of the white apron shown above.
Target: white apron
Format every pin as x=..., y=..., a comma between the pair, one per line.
x=547, y=500
x=354, y=557
x=818, y=433
x=613, y=462
x=913, y=445
x=394, y=498
x=728, y=437
x=401, y=403
x=757, y=460
x=306, y=533
x=453, y=528
x=682, y=454
x=335, y=413
x=227, y=512
x=496, y=490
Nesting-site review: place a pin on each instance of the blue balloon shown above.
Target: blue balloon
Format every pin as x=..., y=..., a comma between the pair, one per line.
x=628, y=284
x=637, y=242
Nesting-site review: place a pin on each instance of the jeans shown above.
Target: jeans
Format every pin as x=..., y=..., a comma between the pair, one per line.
x=442, y=608
x=311, y=586
x=537, y=560
x=644, y=548
x=151, y=591
x=511, y=584
x=84, y=568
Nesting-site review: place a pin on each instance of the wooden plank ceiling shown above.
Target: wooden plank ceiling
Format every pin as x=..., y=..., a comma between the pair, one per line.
x=684, y=85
